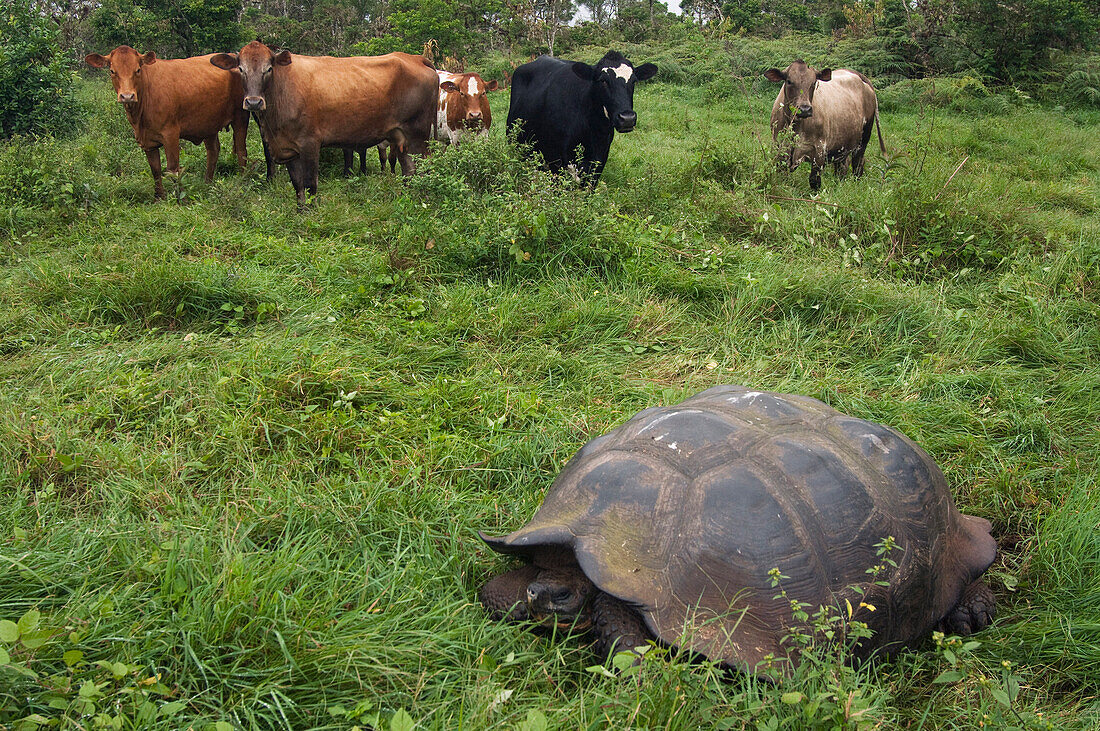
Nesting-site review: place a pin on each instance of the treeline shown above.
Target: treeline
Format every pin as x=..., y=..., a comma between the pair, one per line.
x=1002, y=40
x=1024, y=43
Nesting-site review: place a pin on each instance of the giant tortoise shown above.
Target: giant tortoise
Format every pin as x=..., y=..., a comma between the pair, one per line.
x=671, y=527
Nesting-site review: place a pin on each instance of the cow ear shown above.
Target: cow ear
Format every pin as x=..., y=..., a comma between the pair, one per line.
x=149, y=57
x=227, y=61
x=492, y=85
x=584, y=71
x=449, y=86
x=824, y=74
x=283, y=57
x=775, y=75
x=645, y=71
x=95, y=60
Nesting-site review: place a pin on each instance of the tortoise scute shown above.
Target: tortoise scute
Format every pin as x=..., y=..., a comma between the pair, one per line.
x=682, y=512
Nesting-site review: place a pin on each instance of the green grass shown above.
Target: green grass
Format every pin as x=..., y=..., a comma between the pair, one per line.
x=246, y=450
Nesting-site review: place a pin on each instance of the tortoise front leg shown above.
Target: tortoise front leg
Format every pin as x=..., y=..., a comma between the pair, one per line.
x=617, y=625
x=973, y=613
x=505, y=596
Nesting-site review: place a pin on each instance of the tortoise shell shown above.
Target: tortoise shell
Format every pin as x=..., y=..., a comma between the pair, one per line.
x=683, y=511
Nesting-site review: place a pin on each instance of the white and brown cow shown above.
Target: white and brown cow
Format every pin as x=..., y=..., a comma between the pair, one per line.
x=463, y=106
x=463, y=109
x=830, y=111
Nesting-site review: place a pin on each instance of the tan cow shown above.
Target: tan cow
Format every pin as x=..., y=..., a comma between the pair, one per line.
x=171, y=99
x=831, y=112
x=304, y=103
x=463, y=109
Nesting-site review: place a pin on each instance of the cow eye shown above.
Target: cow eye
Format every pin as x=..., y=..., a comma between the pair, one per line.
x=137, y=71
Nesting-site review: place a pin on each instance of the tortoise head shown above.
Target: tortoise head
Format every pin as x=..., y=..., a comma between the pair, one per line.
x=560, y=597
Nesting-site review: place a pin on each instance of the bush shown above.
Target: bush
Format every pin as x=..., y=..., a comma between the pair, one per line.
x=40, y=174
x=38, y=88
x=527, y=221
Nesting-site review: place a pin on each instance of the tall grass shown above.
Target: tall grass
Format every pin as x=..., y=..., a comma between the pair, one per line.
x=245, y=451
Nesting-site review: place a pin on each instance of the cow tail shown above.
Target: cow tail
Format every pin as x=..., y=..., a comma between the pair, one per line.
x=878, y=128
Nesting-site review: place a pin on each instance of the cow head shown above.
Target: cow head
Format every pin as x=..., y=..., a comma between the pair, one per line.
x=799, y=82
x=257, y=63
x=464, y=97
x=125, y=65
x=613, y=81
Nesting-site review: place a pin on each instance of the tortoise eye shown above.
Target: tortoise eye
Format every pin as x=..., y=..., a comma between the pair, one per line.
x=561, y=595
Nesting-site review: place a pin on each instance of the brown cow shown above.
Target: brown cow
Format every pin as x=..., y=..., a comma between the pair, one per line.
x=832, y=113
x=304, y=103
x=463, y=108
x=169, y=99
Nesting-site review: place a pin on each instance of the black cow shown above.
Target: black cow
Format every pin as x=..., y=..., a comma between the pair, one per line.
x=562, y=105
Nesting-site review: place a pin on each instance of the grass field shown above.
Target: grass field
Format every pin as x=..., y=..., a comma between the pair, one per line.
x=244, y=451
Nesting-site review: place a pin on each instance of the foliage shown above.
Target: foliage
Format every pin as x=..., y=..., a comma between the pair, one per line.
x=1011, y=41
x=413, y=23
x=269, y=496
x=38, y=87
x=169, y=27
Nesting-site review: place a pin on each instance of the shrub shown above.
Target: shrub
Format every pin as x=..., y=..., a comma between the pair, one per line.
x=38, y=88
x=39, y=173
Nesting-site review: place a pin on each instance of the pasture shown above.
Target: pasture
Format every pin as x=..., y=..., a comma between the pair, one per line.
x=245, y=450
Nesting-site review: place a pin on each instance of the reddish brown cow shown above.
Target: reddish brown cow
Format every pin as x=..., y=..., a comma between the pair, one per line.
x=171, y=99
x=304, y=103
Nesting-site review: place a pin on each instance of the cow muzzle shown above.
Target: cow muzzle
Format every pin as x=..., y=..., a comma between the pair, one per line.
x=804, y=112
x=128, y=98
x=255, y=103
x=474, y=121
x=625, y=121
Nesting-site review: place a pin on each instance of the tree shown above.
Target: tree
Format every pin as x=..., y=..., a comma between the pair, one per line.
x=38, y=87
x=170, y=27
x=544, y=19
x=412, y=23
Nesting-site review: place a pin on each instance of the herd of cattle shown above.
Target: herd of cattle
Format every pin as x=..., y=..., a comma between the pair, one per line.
x=567, y=112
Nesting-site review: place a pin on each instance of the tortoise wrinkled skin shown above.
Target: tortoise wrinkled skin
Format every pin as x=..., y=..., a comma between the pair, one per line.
x=677, y=517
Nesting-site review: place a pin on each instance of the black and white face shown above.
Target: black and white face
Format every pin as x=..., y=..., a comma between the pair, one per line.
x=614, y=78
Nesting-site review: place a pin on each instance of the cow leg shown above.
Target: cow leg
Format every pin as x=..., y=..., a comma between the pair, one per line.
x=400, y=143
x=311, y=162
x=213, y=149
x=172, y=153
x=595, y=170
x=269, y=161
x=294, y=167
x=815, y=176
x=840, y=167
x=303, y=171
x=857, y=155
x=857, y=162
x=153, y=156
x=349, y=161
x=362, y=160
x=240, y=140
x=392, y=156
